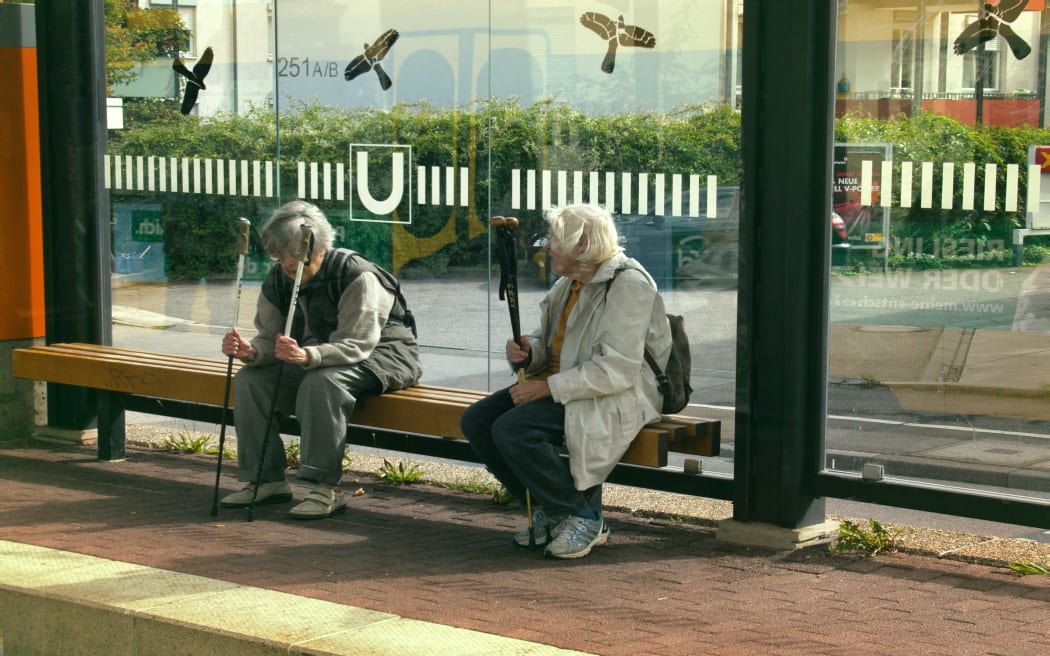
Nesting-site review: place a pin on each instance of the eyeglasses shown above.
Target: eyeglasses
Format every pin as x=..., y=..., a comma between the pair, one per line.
x=287, y=257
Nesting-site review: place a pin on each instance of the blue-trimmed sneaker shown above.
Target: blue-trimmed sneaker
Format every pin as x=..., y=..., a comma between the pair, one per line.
x=543, y=526
x=576, y=536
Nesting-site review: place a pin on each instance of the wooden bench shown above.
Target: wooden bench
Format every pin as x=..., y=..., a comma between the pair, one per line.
x=183, y=386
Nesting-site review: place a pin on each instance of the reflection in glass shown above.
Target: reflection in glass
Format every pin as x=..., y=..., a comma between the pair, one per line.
x=937, y=333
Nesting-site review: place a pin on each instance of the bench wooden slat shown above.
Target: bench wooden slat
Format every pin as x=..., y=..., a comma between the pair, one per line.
x=199, y=384
x=413, y=414
x=465, y=397
x=422, y=409
x=675, y=431
x=703, y=437
x=648, y=449
x=116, y=354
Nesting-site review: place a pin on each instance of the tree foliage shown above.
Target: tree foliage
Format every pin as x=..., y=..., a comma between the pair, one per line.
x=136, y=36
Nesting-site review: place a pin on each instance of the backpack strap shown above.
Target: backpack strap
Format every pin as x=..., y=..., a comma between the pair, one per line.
x=352, y=265
x=661, y=377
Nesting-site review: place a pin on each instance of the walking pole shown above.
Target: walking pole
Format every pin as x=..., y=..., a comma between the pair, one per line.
x=508, y=289
x=243, y=227
x=306, y=248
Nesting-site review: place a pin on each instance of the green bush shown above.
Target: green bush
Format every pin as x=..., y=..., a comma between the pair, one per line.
x=494, y=136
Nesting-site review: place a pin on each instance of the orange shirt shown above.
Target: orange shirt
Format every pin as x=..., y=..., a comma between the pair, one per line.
x=554, y=362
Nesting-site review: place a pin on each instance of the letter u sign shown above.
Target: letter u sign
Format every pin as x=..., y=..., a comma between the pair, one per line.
x=360, y=187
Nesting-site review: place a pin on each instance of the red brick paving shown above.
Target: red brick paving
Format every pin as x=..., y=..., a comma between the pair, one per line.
x=445, y=556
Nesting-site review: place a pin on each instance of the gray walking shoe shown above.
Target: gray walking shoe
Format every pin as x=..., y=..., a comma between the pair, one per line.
x=576, y=536
x=324, y=501
x=272, y=492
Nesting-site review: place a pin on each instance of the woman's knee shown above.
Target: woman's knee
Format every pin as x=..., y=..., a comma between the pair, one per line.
x=507, y=433
x=249, y=382
x=318, y=381
x=477, y=419
x=473, y=423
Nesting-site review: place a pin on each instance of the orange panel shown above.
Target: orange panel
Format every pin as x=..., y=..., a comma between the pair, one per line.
x=21, y=250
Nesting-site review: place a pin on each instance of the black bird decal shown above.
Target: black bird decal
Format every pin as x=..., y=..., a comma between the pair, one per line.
x=992, y=20
x=370, y=58
x=194, y=78
x=616, y=33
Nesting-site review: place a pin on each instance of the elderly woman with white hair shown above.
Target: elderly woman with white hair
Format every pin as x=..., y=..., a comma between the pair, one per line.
x=587, y=387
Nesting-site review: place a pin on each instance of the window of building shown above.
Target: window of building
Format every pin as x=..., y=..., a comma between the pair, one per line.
x=992, y=64
x=189, y=21
x=902, y=62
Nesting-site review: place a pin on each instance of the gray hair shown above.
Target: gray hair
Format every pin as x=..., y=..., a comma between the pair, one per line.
x=281, y=234
x=570, y=224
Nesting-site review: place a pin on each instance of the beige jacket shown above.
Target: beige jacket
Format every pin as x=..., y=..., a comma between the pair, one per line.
x=608, y=390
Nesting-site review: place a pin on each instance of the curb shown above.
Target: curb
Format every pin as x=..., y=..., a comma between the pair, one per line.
x=58, y=602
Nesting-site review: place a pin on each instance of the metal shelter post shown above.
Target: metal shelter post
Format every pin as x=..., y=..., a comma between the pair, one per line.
x=782, y=322
x=76, y=234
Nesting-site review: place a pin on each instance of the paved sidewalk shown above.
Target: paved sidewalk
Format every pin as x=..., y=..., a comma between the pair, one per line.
x=444, y=556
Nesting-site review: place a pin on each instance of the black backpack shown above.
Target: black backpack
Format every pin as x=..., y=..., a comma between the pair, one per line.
x=674, y=380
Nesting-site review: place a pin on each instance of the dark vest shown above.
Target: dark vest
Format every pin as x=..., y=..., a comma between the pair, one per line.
x=395, y=359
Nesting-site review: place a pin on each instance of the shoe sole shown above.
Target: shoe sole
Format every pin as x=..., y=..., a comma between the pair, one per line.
x=602, y=538
x=265, y=501
x=331, y=513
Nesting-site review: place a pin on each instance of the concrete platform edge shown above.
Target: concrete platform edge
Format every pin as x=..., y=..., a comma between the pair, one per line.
x=54, y=601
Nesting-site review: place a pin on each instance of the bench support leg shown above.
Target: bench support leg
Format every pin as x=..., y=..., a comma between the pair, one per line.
x=111, y=431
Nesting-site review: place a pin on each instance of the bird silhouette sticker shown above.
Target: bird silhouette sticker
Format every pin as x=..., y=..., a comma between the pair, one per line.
x=993, y=20
x=370, y=58
x=616, y=33
x=194, y=79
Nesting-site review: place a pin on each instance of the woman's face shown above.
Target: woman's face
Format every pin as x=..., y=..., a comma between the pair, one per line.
x=289, y=265
x=561, y=265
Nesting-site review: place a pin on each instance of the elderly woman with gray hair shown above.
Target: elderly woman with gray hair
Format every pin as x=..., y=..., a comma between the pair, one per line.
x=352, y=336
x=587, y=384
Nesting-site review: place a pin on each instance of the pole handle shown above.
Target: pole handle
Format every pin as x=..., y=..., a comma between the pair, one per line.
x=503, y=222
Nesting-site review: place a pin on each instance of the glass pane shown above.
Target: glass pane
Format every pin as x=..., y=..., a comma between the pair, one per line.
x=196, y=148
x=938, y=335
x=410, y=127
x=633, y=111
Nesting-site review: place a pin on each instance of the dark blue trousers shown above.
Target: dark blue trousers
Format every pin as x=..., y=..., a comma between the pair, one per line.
x=518, y=445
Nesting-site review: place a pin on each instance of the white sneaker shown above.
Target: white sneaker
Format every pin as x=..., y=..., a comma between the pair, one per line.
x=272, y=492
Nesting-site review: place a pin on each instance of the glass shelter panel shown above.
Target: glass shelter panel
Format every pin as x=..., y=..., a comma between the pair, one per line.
x=938, y=301
x=410, y=125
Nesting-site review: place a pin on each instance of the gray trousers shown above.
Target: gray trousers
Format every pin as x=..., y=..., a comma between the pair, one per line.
x=322, y=400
